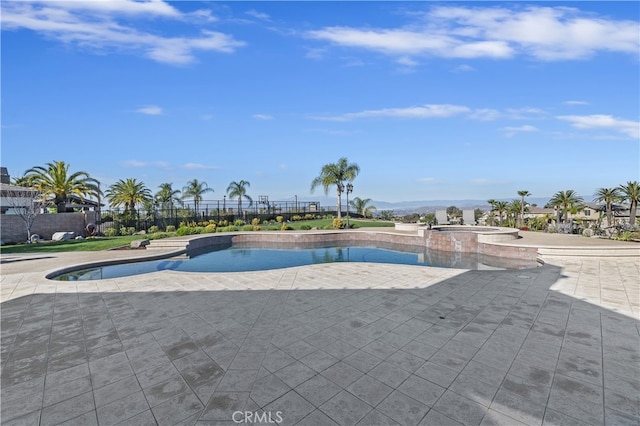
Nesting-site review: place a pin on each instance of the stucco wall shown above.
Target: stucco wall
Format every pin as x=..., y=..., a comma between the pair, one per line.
x=12, y=228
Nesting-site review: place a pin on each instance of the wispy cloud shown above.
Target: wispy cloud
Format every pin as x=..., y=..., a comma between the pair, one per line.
x=576, y=103
x=494, y=32
x=197, y=166
x=137, y=164
x=427, y=180
x=425, y=111
x=262, y=116
x=463, y=68
x=512, y=131
x=106, y=26
x=485, y=114
x=259, y=15
x=604, y=122
x=150, y=110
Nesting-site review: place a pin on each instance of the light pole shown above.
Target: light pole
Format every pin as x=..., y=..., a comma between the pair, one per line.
x=224, y=204
x=340, y=191
x=349, y=191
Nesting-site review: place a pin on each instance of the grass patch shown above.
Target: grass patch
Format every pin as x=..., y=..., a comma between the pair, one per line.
x=89, y=244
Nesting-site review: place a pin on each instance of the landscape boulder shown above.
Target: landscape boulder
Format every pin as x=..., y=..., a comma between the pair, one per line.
x=136, y=244
x=62, y=236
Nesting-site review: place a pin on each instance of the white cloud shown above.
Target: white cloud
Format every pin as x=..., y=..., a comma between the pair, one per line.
x=427, y=180
x=134, y=163
x=150, y=110
x=576, y=103
x=463, y=68
x=485, y=114
x=96, y=26
x=197, y=166
x=512, y=131
x=605, y=122
x=406, y=61
x=262, y=116
x=259, y=15
x=525, y=113
x=494, y=32
x=425, y=111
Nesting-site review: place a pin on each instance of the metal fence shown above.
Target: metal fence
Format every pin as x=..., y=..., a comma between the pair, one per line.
x=216, y=210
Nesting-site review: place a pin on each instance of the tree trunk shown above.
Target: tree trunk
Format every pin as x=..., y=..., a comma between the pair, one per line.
x=339, y=205
x=632, y=214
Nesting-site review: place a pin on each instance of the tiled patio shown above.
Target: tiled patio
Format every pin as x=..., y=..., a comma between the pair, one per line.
x=345, y=344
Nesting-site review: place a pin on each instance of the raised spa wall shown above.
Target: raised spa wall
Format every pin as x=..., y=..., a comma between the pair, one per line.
x=487, y=241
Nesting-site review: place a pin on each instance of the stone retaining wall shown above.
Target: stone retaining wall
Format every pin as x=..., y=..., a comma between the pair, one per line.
x=12, y=228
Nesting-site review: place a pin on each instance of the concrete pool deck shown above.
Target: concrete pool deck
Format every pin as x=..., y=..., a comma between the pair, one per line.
x=346, y=344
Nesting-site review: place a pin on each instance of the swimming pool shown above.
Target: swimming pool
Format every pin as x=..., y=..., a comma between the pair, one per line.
x=242, y=257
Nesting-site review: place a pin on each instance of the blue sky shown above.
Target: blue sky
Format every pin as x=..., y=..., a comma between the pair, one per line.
x=434, y=100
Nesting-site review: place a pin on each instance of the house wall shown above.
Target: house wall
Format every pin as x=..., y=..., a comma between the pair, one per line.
x=12, y=228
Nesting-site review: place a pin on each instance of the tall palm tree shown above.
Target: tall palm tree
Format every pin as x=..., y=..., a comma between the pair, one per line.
x=336, y=174
x=239, y=189
x=631, y=193
x=167, y=196
x=608, y=196
x=55, y=181
x=565, y=201
x=195, y=189
x=492, y=203
x=522, y=193
x=361, y=206
x=501, y=207
x=128, y=192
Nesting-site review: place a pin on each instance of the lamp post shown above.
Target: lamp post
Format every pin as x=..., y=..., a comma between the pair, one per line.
x=224, y=204
x=349, y=191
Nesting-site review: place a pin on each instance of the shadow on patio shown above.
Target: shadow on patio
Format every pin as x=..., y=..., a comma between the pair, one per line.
x=490, y=347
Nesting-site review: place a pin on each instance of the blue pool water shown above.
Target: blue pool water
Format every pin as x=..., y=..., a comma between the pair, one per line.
x=238, y=258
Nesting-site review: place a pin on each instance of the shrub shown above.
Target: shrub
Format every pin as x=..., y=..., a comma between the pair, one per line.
x=296, y=218
x=305, y=227
x=188, y=230
x=256, y=227
x=210, y=228
x=228, y=229
x=587, y=233
x=255, y=221
x=247, y=228
x=338, y=224
x=111, y=232
x=279, y=219
x=223, y=223
x=153, y=229
x=286, y=227
x=308, y=216
x=170, y=228
x=159, y=235
x=238, y=222
x=130, y=230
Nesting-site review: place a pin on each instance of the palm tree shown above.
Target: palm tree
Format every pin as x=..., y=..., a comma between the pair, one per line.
x=128, y=192
x=501, y=207
x=361, y=206
x=336, y=174
x=55, y=181
x=631, y=192
x=195, y=190
x=608, y=196
x=239, y=189
x=167, y=196
x=492, y=203
x=523, y=193
x=564, y=201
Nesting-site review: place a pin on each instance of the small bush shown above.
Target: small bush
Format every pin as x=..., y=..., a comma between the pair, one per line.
x=153, y=229
x=159, y=235
x=238, y=222
x=210, y=228
x=247, y=228
x=170, y=228
x=223, y=223
x=279, y=219
x=228, y=229
x=587, y=233
x=255, y=221
x=308, y=216
x=338, y=224
x=305, y=227
x=296, y=218
x=285, y=227
x=189, y=230
x=130, y=230
x=111, y=232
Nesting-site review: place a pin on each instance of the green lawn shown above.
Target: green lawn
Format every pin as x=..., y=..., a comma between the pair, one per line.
x=91, y=244
x=105, y=243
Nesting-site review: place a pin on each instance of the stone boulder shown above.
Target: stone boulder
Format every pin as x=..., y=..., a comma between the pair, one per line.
x=62, y=236
x=136, y=244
